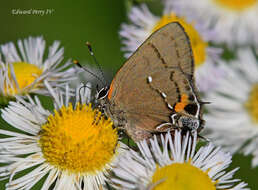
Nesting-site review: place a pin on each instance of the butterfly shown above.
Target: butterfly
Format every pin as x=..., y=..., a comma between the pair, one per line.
x=155, y=91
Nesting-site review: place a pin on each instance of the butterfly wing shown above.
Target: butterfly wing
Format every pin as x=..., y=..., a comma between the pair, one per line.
x=157, y=77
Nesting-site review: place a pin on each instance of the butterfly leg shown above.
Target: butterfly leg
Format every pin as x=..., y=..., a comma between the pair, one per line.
x=164, y=127
x=173, y=118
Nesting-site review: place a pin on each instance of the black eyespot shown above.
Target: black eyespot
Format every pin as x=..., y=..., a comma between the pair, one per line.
x=191, y=109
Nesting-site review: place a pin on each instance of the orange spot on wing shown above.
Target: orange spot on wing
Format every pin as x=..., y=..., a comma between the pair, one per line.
x=184, y=98
x=110, y=90
x=181, y=105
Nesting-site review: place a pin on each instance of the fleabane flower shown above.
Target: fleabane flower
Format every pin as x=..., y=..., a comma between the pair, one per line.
x=174, y=164
x=235, y=20
x=24, y=69
x=73, y=147
x=144, y=23
x=232, y=116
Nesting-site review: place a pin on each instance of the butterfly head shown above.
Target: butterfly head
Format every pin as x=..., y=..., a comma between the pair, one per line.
x=102, y=93
x=100, y=98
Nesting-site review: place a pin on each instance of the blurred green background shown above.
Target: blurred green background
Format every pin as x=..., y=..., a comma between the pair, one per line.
x=75, y=22
x=71, y=22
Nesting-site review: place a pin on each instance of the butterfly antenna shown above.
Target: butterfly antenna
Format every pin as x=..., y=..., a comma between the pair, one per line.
x=76, y=62
x=95, y=60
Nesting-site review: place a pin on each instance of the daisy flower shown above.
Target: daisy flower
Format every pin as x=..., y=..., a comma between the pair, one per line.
x=233, y=114
x=23, y=69
x=74, y=147
x=144, y=23
x=235, y=20
x=175, y=163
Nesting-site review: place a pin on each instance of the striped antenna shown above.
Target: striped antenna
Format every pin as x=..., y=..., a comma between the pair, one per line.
x=95, y=60
x=76, y=62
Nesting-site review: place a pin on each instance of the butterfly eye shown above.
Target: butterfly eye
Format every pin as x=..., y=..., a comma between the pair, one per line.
x=191, y=108
x=102, y=93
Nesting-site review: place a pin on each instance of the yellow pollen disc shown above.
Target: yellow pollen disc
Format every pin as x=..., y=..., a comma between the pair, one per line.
x=236, y=5
x=197, y=43
x=252, y=103
x=25, y=75
x=78, y=140
x=181, y=176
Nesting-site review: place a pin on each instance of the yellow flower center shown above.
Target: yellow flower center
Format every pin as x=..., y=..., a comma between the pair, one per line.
x=25, y=75
x=197, y=43
x=236, y=5
x=252, y=103
x=78, y=140
x=181, y=176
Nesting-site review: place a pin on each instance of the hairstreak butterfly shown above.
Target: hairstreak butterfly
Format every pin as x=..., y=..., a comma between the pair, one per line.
x=155, y=91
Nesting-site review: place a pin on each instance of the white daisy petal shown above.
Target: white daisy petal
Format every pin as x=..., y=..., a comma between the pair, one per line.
x=29, y=56
x=133, y=171
x=227, y=17
x=232, y=116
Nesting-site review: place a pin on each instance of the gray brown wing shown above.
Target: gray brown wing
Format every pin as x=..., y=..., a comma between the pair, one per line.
x=166, y=57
